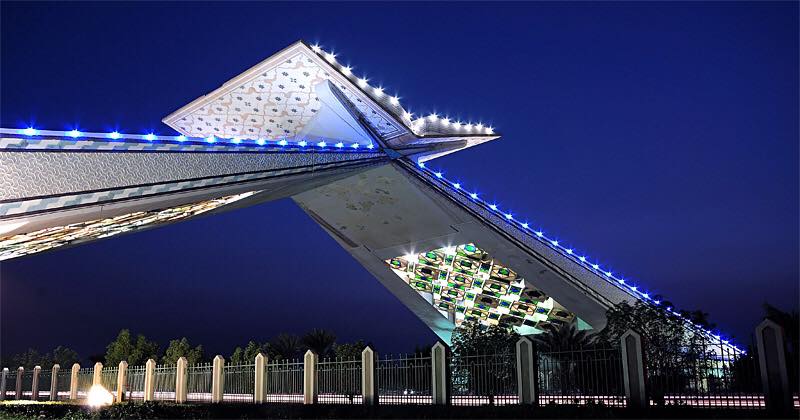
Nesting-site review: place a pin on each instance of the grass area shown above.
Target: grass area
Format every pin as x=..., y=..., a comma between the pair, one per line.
x=149, y=410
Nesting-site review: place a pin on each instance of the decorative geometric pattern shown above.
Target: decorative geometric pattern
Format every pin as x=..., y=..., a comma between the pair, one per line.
x=49, y=238
x=66, y=201
x=276, y=103
x=465, y=281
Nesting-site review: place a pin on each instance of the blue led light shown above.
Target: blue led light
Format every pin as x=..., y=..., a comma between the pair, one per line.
x=30, y=131
x=74, y=134
x=509, y=216
x=211, y=139
x=114, y=135
x=493, y=207
x=608, y=273
x=583, y=259
x=474, y=196
x=457, y=186
x=646, y=295
x=370, y=146
x=555, y=243
x=261, y=142
x=539, y=233
x=236, y=140
x=340, y=145
x=150, y=136
x=421, y=164
x=438, y=174
x=302, y=143
x=657, y=302
x=354, y=146
x=524, y=225
x=595, y=266
x=322, y=144
x=569, y=251
x=181, y=138
x=621, y=281
x=634, y=288
x=283, y=143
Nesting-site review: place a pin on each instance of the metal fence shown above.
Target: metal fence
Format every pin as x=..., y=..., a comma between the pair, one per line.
x=239, y=383
x=108, y=379
x=285, y=381
x=198, y=382
x=703, y=374
x=164, y=382
x=45, y=383
x=85, y=379
x=63, y=379
x=404, y=379
x=134, y=383
x=27, y=383
x=339, y=381
x=484, y=379
x=581, y=377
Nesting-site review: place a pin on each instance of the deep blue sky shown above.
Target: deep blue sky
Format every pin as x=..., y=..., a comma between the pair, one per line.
x=662, y=139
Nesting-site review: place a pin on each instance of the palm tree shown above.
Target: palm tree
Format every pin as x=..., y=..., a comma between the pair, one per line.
x=564, y=337
x=285, y=346
x=319, y=341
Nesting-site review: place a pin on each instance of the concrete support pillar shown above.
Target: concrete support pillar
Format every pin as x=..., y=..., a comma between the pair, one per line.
x=310, y=387
x=772, y=363
x=73, y=381
x=35, y=383
x=150, y=380
x=18, y=388
x=54, y=382
x=97, y=374
x=633, y=372
x=217, y=378
x=122, y=379
x=440, y=374
x=369, y=381
x=260, y=390
x=181, y=380
x=526, y=371
x=3, y=382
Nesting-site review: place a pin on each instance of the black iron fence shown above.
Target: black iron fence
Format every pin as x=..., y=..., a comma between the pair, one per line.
x=484, y=379
x=404, y=379
x=579, y=377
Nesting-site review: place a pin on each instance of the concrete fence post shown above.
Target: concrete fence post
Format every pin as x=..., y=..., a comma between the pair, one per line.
x=73, y=381
x=260, y=390
x=369, y=384
x=122, y=379
x=526, y=371
x=35, y=383
x=439, y=374
x=18, y=388
x=633, y=372
x=54, y=382
x=150, y=380
x=181, y=379
x=217, y=378
x=772, y=364
x=97, y=374
x=3, y=381
x=310, y=386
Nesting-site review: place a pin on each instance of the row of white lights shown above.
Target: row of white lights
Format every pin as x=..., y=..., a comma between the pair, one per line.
x=569, y=252
x=378, y=93
x=114, y=135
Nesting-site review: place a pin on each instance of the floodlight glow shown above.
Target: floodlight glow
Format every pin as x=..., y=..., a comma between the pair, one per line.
x=150, y=136
x=394, y=100
x=330, y=57
x=99, y=396
x=316, y=48
x=409, y=257
x=30, y=131
x=347, y=70
x=379, y=91
x=408, y=115
x=432, y=117
x=74, y=134
x=363, y=82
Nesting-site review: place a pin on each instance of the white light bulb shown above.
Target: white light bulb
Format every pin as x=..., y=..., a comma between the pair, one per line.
x=316, y=48
x=340, y=145
x=347, y=70
x=363, y=82
x=30, y=131
x=74, y=134
x=432, y=117
x=322, y=144
x=331, y=57
x=524, y=225
x=394, y=100
x=150, y=137
x=114, y=135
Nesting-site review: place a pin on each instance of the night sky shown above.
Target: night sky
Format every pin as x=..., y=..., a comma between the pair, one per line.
x=659, y=139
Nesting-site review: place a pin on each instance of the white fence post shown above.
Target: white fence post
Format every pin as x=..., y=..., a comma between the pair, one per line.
x=369, y=386
x=526, y=371
x=310, y=378
x=35, y=383
x=180, y=380
x=97, y=374
x=18, y=388
x=150, y=380
x=633, y=369
x=772, y=364
x=439, y=373
x=3, y=380
x=54, y=382
x=260, y=378
x=217, y=378
x=122, y=377
x=73, y=381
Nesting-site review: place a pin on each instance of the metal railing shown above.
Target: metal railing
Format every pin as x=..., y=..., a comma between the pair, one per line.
x=134, y=383
x=339, y=381
x=703, y=374
x=404, y=379
x=198, y=382
x=85, y=379
x=63, y=379
x=484, y=379
x=108, y=379
x=285, y=381
x=164, y=383
x=239, y=383
x=45, y=383
x=580, y=377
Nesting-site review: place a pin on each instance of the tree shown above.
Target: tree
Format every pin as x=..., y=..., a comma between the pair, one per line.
x=563, y=337
x=285, y=346
x=134, y=352
x=472, y=338
x=349, y=351
x=182, y=348
x=483, y=358
x=237, y=356
x=31, y=358
x=28, y=359
x=64, y=357
x=319, y=341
